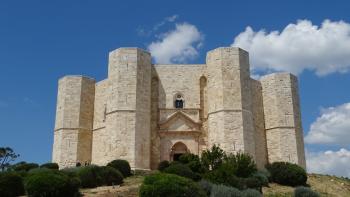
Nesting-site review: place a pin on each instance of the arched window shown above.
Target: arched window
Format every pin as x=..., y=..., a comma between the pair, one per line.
x=179, y=101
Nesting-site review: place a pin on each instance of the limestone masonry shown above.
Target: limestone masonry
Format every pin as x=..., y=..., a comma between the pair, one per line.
x=146, y=113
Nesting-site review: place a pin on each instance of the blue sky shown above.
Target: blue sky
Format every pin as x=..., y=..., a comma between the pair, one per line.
x=41, y=41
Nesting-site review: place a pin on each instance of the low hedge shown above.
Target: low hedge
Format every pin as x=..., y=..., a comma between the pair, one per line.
x=162, y=165
x=162, y=184
x=305, y=192
x=122, y=165
x=11, y=184
x=51, y=183
x=225, y=191
x=182, y=170
x=53, y=166
x=90, y=176
x=23, y=166
x=111, y=176
x=286, y=173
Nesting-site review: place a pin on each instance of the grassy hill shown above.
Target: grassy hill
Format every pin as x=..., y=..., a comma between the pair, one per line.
x=329, y=186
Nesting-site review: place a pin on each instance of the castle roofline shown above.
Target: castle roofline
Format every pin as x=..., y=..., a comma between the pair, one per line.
x=77, y=76
x=277, y=74
x=128, y=48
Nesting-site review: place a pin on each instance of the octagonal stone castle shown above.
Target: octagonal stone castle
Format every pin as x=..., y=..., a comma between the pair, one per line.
x=145, y=113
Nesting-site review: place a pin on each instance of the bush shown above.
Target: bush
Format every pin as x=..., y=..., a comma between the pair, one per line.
x=53, y=166
x=23, y=166
x=225, y=191
x=223, y=175
x=182, y=170
x=252, y=183
x=245, y=164
x=206, y=186
x=163, y=164
x=160, y=185
x=264, y=181
x=286, y=173
x=111, y=176
x=122, y=165
x=90, y=176
x=51, y=183
x=305, y=192
x=212, y=159
x=251, y=193
x=11, y=184
x=266, y=173
x=192, y=161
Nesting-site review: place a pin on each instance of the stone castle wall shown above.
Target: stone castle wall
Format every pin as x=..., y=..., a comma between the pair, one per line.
x=131, y=114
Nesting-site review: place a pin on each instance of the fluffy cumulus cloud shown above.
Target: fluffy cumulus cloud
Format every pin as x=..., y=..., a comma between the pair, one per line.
x=329, y=162
x=178, y=45
x=323, y=49
x=331, y=127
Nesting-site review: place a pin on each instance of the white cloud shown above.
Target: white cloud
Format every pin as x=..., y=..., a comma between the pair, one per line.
x=298, y=47
x=331, y=127
x=329, y=162
x=169, y=19
x=178, y=45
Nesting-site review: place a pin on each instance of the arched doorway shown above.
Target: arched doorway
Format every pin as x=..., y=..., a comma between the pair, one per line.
x=177, y=150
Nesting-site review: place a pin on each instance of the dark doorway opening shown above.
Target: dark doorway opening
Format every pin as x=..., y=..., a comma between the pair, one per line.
x=177, y=156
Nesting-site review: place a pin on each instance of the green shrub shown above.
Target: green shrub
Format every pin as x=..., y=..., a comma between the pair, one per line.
x=206, y=186
x=252, y=183
x=223, y=175
x=163, y=164
x=245, y=164
x=286, y=173
x=53, y=166
x=90, y=176
x=225, y=191
x=11, y=184
x=23, y=166
x=305, y=192
x=111, y=176
x=212, y=159
x=265, y=172
x=122, y=165
x=264, y=181
x=182, y=170
x=51, y=183
x=192, y=161
x=188, y=157
x=170, y=185
x=251, y=193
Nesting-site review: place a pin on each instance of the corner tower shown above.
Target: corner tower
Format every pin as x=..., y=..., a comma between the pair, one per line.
x=230, y=120
x=74, y=119
x=284, y=134
x=129, y=107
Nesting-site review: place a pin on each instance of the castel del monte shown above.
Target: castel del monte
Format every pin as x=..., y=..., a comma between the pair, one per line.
x=145, y=113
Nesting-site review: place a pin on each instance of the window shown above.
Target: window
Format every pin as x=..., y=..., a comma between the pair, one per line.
x=179, y=102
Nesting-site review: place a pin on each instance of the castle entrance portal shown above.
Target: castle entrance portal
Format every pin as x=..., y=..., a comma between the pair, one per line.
x=177, y=150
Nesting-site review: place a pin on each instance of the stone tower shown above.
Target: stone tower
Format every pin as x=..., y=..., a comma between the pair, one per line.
x=74, y=117
x=283, y=127
x=128, y=107
x=145, y=113
x=230, y=120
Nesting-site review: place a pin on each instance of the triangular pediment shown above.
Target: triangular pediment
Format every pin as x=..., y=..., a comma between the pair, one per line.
x=179, y=122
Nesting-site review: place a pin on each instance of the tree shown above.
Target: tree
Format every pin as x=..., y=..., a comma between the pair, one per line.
x=6, y=156
x=213, y=158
